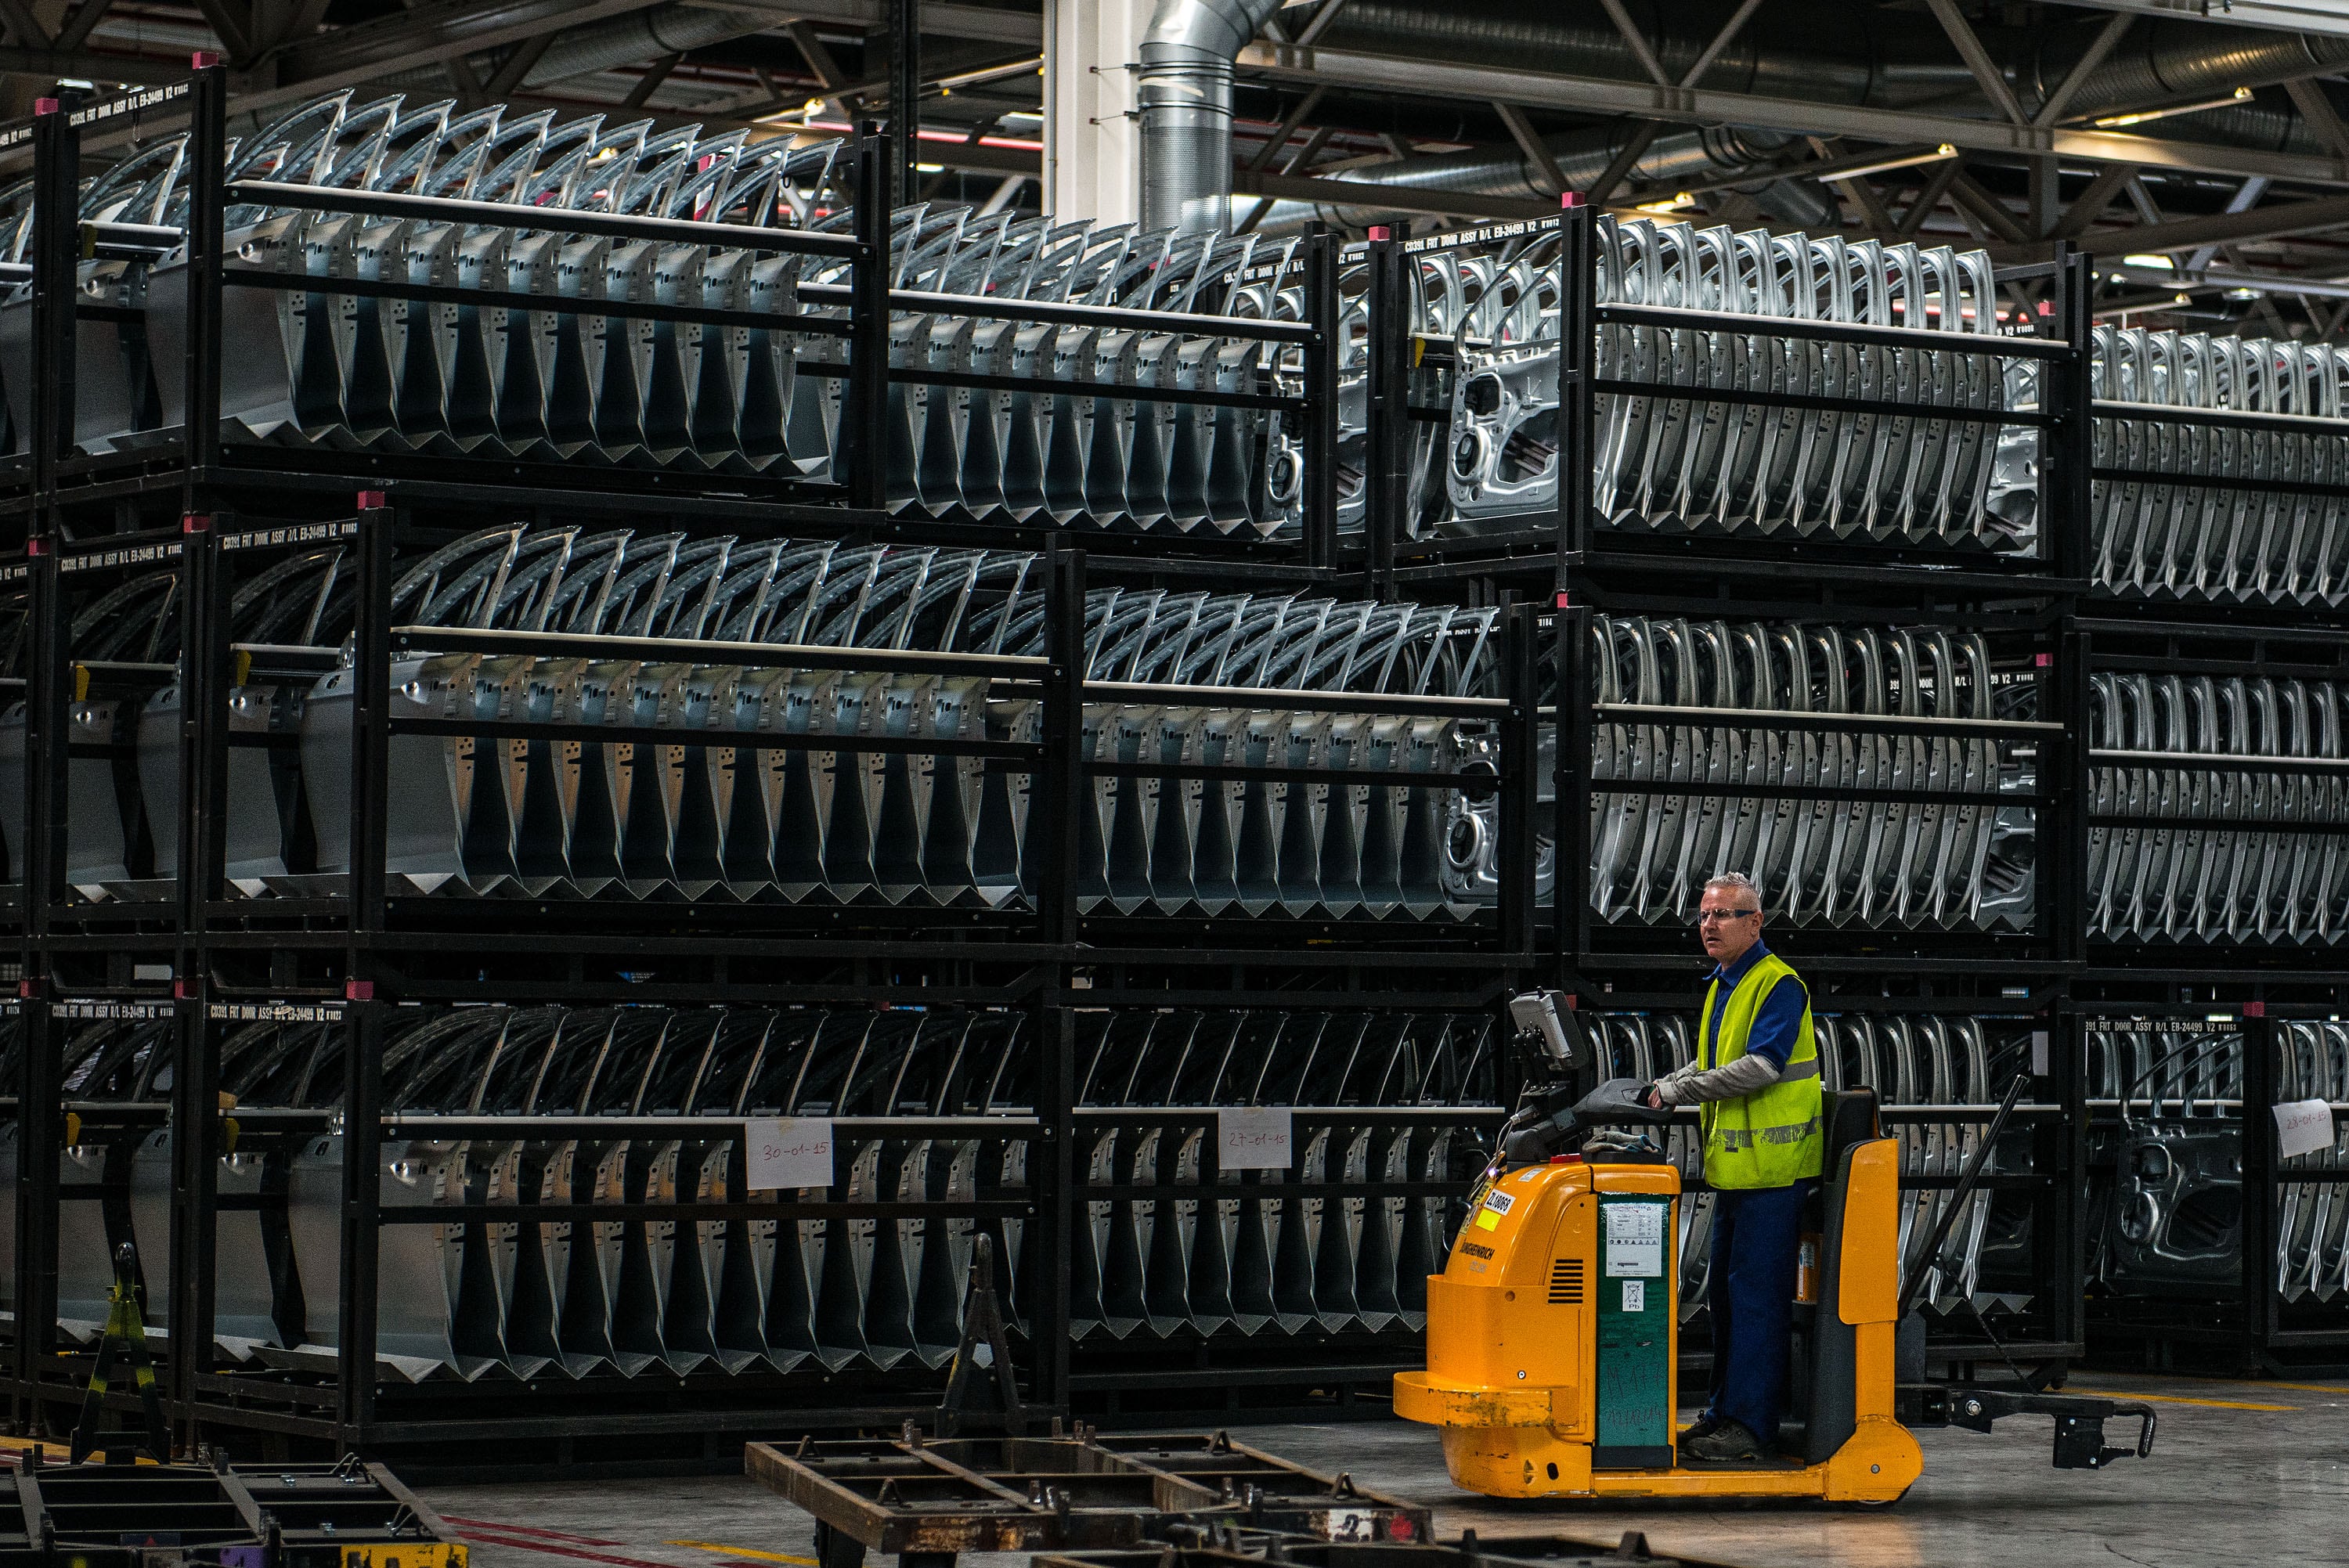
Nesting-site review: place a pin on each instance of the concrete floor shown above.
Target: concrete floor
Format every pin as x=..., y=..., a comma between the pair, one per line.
x=2243, y=1473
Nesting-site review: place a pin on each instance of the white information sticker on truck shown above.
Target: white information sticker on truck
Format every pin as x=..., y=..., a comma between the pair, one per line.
x=1635, y=1241
x=1635, y=1296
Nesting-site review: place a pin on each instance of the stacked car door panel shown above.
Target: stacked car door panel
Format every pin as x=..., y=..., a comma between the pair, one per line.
x=2218, y=806
x=1950, y=847
x=928, y=1110
x=2170, y=1223
x=2171, y=1219
x=312, y=368
x=2217, y=454
x=1260, y=1251
x=1963, y=481
x=710, y=819
x=754, y=393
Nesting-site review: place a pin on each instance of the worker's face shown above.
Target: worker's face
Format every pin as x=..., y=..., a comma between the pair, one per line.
x=1728, y=925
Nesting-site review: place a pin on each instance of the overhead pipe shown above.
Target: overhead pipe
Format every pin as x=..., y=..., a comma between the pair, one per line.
x=2159, y=62
x=1184, y=92
x=1828, y=51
x=1710, y=154
x=639, y=36
x=611, y=44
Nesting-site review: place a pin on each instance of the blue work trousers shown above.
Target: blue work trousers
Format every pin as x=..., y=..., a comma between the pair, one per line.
x=1755, y=1234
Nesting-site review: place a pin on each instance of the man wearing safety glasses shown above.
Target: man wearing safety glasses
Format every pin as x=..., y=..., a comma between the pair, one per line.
x=1755, y=1080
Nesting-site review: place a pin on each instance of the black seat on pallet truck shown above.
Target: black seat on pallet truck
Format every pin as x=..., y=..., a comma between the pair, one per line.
x=1823, y=1368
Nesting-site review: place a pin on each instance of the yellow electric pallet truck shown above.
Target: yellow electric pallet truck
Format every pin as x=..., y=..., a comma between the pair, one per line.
x=1553, y=1333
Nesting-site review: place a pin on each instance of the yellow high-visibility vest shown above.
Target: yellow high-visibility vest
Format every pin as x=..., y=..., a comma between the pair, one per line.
x=1772, y=1137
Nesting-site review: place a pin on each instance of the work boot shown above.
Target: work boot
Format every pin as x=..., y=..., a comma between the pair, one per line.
x=1727, y=1440
x=1704, y=1427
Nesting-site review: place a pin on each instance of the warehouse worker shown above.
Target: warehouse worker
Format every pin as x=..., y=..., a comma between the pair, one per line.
x=1756, y=1077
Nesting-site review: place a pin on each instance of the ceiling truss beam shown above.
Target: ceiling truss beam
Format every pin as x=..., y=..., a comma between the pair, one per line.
x=1698, y=105
x=2069, y=88
x=1530, y=143
x=1977, y=59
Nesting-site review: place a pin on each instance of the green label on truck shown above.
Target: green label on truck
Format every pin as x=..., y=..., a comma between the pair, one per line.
x=1635, y=1332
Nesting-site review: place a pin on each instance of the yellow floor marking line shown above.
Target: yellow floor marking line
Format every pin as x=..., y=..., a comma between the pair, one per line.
x=746, y=1552
x=2238, y=1382
x=2176, y=1399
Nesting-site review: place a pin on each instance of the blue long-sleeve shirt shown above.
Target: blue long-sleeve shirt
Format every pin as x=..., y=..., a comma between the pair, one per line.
x=1775, y=1022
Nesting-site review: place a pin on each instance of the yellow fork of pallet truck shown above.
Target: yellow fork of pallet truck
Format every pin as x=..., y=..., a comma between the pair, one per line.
x=406, y=1554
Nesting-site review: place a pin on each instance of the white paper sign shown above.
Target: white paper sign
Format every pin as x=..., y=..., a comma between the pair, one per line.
x=2040, y=1053
x=1635, y=1240
x=788, y=1151
x=1635, y=1296
x=2303, y=1127
x=1253, y=1137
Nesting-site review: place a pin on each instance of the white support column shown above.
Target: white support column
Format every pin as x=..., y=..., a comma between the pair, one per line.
x=1093, y=141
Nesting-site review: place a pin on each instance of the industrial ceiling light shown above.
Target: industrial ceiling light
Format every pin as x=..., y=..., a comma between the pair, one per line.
x=2159, y=263
x=1939, y=155
x=1679, y=203
x=2114, y=121
x=2239, y=292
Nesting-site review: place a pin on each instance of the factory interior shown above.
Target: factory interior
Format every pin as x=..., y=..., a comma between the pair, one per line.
x=1423, y=785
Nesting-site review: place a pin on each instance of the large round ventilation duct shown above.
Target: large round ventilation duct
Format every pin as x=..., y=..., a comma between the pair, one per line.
x=1184, y=95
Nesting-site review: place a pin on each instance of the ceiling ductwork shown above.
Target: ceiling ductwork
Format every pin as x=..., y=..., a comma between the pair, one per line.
x=2159, y=62
x=621, y=42
x=1708, y=155
x=639, y=36
x=1185, y=96
x=1820, y=50
x=1846, y=53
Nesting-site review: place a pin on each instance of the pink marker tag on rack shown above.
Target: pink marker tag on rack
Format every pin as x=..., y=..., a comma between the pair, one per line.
x=2044, y=660
x=202, y=58
x=1569, y=199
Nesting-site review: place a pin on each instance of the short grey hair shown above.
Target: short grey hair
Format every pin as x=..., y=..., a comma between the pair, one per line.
x=1736, y=881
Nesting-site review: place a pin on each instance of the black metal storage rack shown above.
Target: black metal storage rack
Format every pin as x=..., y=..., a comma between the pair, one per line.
x=2195, y=1204
x=363, y=959
x=1576, y=565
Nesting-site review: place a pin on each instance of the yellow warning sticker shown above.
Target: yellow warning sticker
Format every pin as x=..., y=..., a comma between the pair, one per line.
x=1487, y=1220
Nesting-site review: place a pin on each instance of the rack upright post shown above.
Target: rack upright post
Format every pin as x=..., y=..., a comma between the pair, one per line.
x=48, y=720
x=2261, y=1317
x=1319, y=488
x=1387, y=304
x=2071, y=485
x=1520, y=777
x=865, y=407
x=1570, y=889
x=198, y=1134
x=207, y=246
x=1577, y=291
